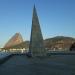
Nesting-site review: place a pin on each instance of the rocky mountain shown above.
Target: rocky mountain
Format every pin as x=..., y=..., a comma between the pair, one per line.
x=15, y=40
x=59, y=43
x=55, y=43
x=20, y=46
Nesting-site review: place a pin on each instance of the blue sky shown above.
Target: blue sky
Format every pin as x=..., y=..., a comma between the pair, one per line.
x=56, y=17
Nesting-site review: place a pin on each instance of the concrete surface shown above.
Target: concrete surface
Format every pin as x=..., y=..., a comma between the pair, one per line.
x=54, y=65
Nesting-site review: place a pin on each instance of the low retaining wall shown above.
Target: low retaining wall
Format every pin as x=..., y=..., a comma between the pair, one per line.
x=4, y=59
x=61, y=53
x=7, y=57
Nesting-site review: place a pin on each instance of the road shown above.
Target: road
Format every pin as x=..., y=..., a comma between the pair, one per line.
x=21, y=65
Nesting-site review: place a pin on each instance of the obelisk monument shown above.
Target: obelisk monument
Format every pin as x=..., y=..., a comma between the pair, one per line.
x=36, y=47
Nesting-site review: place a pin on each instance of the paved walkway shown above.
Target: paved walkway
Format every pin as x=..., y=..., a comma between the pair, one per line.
x=21, y=65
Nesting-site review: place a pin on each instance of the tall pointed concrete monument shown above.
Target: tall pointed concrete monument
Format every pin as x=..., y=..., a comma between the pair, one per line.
x=36, y=47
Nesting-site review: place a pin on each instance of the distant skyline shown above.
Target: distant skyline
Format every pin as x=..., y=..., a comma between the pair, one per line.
x=56, y=17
